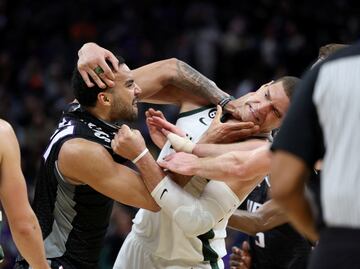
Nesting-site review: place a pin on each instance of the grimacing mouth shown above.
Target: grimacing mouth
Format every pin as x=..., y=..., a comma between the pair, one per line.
x=135, y=101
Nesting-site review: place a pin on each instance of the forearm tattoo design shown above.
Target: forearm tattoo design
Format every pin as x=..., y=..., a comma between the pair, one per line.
x=193, y=81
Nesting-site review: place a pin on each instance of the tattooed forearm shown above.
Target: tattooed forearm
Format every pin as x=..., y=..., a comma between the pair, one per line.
x=191, y=80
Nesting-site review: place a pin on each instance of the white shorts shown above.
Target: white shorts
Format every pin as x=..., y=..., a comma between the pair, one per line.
x=134, y=254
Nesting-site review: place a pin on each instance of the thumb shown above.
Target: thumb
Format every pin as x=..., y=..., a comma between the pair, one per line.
x=124, y=129
x=163, y=164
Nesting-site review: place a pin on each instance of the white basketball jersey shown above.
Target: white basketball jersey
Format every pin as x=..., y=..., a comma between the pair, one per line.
x=166, y=240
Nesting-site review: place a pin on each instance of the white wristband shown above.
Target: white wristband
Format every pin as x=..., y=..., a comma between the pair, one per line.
x=140, y=155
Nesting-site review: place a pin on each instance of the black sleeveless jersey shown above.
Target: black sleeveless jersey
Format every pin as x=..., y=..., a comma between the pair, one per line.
x=73, y=218
x=279, y=248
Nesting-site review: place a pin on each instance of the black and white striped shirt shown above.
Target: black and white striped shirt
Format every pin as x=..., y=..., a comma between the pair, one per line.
x=326, y=108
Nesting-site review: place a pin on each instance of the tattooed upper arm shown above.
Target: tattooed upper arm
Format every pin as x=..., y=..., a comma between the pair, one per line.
x=193, y=81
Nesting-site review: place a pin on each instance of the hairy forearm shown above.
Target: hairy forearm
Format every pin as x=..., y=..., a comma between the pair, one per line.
x=188, y=79
x=222, y=167
x=231, y=166
x=207, y=150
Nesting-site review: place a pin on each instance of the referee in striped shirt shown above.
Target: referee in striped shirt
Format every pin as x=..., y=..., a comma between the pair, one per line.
x=323, y=122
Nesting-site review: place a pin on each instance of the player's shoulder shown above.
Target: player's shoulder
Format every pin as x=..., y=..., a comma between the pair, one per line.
x=5, y=127
x=6, y=130
x=79, y=152
x=81, y=146
x=7, y=137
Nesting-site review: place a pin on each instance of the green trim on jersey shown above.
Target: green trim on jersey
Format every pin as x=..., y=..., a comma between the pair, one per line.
x=194, y=111
x=210, y=254
x=214, y=265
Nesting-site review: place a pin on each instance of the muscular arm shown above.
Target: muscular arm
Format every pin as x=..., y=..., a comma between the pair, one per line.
x=208, y=150
x=267, y=217
x=218, y=133
x=187, y=78
x=231, y=166
x=213, y=205
x=23, y=223
x=287, y=189
x=87, y=162
x=167, y=81
x=193, y=215
x=174, y=81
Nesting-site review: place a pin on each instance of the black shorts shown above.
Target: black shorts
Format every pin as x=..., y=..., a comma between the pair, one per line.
x=338, y=248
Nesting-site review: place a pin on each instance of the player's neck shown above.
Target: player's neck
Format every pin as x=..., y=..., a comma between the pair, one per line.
x=100, y=113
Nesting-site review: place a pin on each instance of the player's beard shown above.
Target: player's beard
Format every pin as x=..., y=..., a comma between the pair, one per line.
x=124, y=112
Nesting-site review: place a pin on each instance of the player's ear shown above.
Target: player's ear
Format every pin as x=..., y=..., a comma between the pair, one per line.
x=104, y=98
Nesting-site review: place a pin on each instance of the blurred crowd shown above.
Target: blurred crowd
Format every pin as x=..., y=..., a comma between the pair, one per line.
x=238, y=44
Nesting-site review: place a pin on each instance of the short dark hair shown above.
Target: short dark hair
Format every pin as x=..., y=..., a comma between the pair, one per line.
x=87, y=96
x=289, y=83
x=329, y=49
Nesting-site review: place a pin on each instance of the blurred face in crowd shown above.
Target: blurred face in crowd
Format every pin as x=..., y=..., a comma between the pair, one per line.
x=123, y=97
x=266, y=107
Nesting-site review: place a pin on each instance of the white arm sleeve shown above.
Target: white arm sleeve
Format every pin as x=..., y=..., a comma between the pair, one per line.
x=195, y=216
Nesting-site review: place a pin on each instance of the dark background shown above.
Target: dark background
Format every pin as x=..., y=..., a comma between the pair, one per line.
x=238, y=44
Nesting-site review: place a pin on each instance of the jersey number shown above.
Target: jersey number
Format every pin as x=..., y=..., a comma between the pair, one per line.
x=260, y=240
